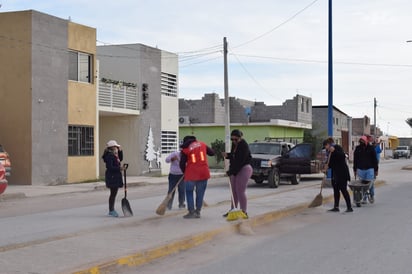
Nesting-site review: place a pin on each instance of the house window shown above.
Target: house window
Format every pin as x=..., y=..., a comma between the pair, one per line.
x=302, y=105
x=169, y=141
x=80, y=67
x=169, y=84
x=81, y=141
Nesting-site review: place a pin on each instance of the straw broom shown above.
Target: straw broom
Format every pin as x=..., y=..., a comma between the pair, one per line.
x=234, y=213
x=319, y=198
x=161, y=209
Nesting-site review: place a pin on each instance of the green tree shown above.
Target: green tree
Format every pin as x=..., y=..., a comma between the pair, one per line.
x=218, y=146
x=315, y=137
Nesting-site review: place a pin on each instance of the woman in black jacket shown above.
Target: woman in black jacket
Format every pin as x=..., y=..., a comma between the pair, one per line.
x=240, y=169
x=112, y=157
x=340, y=174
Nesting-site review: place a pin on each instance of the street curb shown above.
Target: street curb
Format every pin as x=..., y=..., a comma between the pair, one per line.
x=11, y=196
x=188, y=242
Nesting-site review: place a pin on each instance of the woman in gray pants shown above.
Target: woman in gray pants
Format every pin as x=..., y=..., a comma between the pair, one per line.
x=240, y=169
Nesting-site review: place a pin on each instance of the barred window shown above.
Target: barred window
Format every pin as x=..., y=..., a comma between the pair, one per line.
x=81, y=141
x=169, y=141
x=169, y=84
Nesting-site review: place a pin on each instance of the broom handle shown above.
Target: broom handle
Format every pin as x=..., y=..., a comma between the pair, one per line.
x=125, y=166
x=231, y=195
x=327, y=163
x=177, y=184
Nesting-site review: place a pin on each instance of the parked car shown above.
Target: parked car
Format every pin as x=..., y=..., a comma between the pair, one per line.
x=269, y=163
x=402, y=151
x=5, y=160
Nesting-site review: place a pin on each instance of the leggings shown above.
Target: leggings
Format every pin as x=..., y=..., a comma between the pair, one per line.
x=238, y=183
x=112, y=197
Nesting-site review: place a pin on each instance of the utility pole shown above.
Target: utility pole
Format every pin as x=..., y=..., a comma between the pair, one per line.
x=227, y=102
x=374, y=117
x=330, y=74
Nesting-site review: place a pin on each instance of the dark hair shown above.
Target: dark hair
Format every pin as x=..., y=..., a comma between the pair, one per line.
x=189, y=138
x=236, y=133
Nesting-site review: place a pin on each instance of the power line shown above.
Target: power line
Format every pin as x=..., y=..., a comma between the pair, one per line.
x=252, y=77
x=278, y=26
x=220, y=46
x=200, y=62
x=324, y=62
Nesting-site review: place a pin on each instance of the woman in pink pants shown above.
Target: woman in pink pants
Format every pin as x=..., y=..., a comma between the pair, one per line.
x=240, y=169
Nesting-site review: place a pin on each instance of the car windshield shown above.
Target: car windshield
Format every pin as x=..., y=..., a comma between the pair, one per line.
x=402, y=148
x=265, y=148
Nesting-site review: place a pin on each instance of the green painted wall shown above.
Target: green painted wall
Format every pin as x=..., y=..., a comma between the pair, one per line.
x=209, y=134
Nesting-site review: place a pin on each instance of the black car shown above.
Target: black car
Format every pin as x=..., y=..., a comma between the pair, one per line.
x=272, y=161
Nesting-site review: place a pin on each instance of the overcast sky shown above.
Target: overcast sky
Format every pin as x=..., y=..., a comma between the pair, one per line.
x=277, y=48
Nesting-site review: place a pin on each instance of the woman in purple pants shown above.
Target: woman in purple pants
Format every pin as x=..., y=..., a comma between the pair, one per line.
x=240, y=169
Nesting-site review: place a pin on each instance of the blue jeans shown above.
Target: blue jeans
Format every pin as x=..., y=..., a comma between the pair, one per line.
x=369, y=175
x=173, y=179
x=200, y=188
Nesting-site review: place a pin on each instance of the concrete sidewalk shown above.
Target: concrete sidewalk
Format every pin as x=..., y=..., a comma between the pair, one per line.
x=23, y=191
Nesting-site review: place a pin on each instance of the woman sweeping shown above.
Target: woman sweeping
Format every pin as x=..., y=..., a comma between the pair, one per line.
x=239, y=171
x=112, y=157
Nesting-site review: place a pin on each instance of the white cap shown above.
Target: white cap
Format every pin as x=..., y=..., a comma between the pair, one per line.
x=112, y=143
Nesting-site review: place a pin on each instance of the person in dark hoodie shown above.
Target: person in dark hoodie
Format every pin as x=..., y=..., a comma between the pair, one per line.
x=112, y=156
x=193, y=163
x=365, y=164
x=340, y=174
x=240, y=169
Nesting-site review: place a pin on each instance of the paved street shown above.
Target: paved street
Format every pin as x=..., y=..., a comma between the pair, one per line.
x=73, y=230
x=374, y=239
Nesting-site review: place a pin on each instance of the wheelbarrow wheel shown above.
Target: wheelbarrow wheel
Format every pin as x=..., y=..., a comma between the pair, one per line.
x=357, y=197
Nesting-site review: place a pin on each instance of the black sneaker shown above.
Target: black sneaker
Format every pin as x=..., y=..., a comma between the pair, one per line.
x=182, y=205
x=197, y=213
x=191, y=215
x=335, y=209
x=349, y=210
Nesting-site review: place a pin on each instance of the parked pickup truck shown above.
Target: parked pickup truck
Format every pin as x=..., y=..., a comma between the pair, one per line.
x=402, y=151
x=269, y=163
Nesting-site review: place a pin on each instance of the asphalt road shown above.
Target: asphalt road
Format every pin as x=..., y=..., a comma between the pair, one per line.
x=373, y=239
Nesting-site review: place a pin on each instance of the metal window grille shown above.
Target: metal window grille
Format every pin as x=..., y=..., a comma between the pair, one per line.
x=81, y=141
x=169, y=84
x=169, y=141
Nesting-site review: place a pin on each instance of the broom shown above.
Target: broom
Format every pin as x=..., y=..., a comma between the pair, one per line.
x=319, y=198
x=234, y=213
x=161, y=209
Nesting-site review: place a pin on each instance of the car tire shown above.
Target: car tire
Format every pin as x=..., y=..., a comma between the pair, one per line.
x=295, y=179
x=274, y=178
